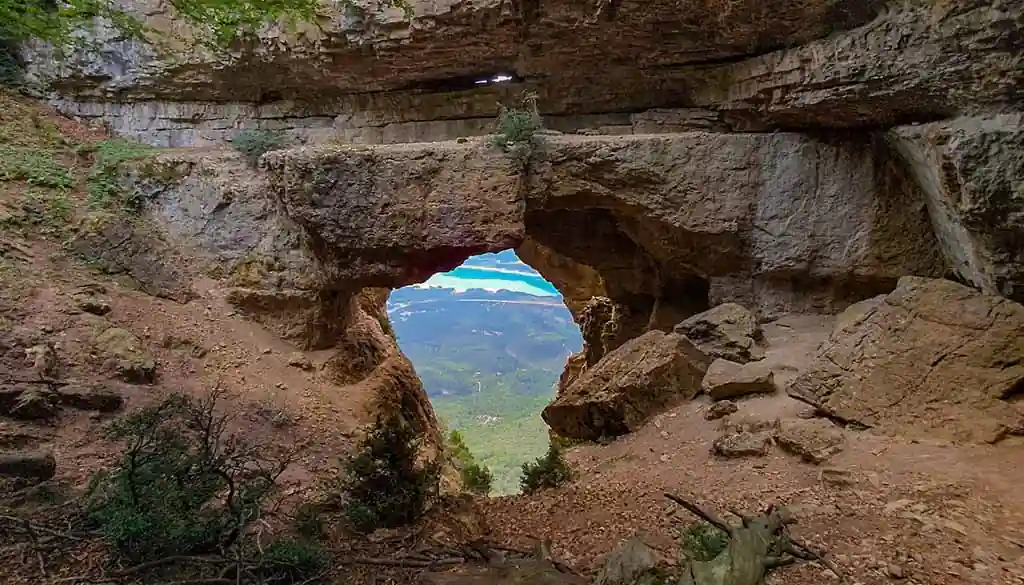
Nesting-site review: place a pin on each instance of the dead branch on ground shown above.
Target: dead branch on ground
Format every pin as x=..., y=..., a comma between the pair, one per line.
x=756, y=547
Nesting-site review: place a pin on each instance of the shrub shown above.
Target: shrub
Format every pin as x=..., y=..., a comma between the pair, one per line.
x=255, y=142
x=549, y=471
x=517, y=127
x=182, y=484
x=36, y=167
x=290, y=560
x=702, y=542
x=475, y=477
x=383, y=484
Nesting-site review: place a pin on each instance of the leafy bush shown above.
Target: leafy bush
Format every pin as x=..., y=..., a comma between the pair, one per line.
x=702, y=542
x=475, y=477
x=517, y=128
x=36, y=167
x=549, y=471
x=104, y=187
x=383, y=484
x=255, y=142
x=182, y=485
x=290, y=560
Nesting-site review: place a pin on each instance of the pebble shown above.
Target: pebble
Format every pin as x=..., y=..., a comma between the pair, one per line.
x=896, y=572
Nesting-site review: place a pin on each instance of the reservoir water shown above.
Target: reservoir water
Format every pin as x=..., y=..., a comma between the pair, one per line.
x=493, y=272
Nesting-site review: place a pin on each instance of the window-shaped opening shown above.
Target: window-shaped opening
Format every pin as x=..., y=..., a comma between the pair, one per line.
x=489, y=339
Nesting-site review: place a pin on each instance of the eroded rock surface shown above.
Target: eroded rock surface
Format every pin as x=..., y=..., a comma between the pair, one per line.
x=972, y=173
x=728, y=332
x=932, y=356
x=639, y=379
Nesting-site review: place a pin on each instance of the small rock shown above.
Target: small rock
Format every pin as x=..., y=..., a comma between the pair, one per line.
x=836, y=476
x=896, y=572
x=87, y=299
x=125, y=355
x=300, y=360
x=87, y=398
x=725, y=379
x=720, y=409
x=41, y=466
x=266, y=351
x=628, y=564
x=43, y=359
x=742, y=444
x=815, y=441
x=281, y=386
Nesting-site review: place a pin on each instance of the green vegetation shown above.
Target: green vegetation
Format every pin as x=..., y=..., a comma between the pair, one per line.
x=255, y=142
x=292, y=560
x=475, y=477
x=549, y=471
x=103, y=184
x=517, y=129
x=504, y=428
x=183, y=485
x=35, y=166
x=218, y=23
x=702, y=542
x=384, y=486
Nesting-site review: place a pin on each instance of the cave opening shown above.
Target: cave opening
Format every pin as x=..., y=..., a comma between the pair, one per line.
x=489, y=340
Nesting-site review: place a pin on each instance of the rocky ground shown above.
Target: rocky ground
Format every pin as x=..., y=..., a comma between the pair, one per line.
x=888, y=509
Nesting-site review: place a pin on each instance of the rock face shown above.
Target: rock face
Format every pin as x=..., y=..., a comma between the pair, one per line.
x=779, y=222
x=728, y=332
x=932, y=356
x=972, y=173
x=725, y=379
x=398, y=216
x=639, y=379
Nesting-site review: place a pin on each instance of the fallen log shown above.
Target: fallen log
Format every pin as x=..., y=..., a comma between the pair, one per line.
x=754, y=549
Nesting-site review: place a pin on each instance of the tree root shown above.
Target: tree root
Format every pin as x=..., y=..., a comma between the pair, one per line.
x=755, y=548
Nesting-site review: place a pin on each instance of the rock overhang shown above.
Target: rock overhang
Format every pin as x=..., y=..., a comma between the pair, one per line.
x=659, y=218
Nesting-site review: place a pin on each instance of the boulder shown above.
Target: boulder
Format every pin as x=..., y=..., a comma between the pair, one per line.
x=27, y=403
x=720, y=409
x=932, y=357
x=98, y=399
x=815, y=441
x=728, y=331
x=41, y=466
x=124, y=354
x=732, y=443
x=641, y=378
x=726, y=379
x=632, y=562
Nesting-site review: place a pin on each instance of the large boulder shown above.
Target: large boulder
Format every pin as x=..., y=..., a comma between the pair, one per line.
x=931, y=357
x=639, y=379
x=726, y=379
x=728, y=331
